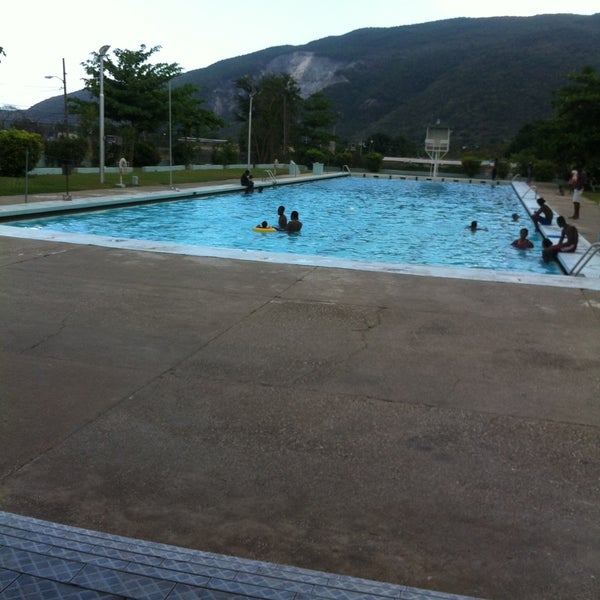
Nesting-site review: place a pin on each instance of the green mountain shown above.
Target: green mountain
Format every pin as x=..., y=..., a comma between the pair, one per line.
x=483, y=78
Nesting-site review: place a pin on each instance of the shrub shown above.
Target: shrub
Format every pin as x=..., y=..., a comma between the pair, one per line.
x=146, y=154
x=503, y=169
x=524, y=162
x=184, y=153
x=18, y=148
x=313, y=155
x=544, y=170
x=66, y=151
x=373, y=161
x=343, y=158
x=226, y=155
x=471, y=166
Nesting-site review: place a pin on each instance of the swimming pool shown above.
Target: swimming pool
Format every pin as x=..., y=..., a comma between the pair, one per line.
x=374, y=219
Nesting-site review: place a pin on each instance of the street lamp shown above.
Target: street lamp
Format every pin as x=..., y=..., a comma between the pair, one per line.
x=66, y=166
x=101, y=54
x=170, y=139
x=251, y=94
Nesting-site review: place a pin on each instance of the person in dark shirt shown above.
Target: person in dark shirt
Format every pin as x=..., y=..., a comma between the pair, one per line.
x=294, y=224
x=543, y=215
x=522, y=243
x=569, y=238
x=282, y=219
x=246, y=181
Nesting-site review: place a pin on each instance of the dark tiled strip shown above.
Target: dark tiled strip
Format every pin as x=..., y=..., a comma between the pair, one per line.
x=40, y=559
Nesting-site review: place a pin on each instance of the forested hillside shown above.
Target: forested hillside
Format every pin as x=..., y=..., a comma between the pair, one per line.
x=483, y=78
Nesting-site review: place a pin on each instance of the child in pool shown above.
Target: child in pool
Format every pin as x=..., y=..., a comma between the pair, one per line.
x=522, y=242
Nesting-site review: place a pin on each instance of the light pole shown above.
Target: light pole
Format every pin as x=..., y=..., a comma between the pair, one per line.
x=101, y=54
x=251, y=94
x=66, y=164
x=170, y=140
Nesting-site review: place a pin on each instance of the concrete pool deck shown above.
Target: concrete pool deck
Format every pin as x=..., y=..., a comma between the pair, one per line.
x=430, y=432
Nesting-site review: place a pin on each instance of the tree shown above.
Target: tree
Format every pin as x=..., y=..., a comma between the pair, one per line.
x=137, y=96
x=275, y=107
x=572, y=135
x=374, y=160
x=87, y=126
x=471, y=165
x=189, y=119
x=190, y=122
x=66, y=151
x=392, y=146
x=541, y=139
x=577, y=113
x=317, y=121
x=226, y=155
x=17, y=149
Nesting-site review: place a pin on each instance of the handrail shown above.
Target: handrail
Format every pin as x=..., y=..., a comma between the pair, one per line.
x=532, y=188
x=270, y=176
x=585, y=258
x=346, y=168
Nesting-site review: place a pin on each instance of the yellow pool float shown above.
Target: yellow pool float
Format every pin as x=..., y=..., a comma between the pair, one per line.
x=264, y=229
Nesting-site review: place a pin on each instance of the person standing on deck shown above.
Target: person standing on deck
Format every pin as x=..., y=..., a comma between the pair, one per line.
x=578, y=187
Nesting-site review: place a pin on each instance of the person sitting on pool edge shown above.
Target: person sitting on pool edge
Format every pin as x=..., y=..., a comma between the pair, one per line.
x=282, y=221
x=522, y=243
x=246, y=181
x=564, y=245
x=546, y=217
x=294, y=224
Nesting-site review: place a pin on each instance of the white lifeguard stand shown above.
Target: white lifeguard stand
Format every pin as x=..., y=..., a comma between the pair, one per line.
x=437, y=145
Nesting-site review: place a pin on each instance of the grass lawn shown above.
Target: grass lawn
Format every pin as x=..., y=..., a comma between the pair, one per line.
x=44, y=184
x=593, y=196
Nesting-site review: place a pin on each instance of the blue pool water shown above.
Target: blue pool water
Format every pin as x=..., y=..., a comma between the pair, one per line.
x=375, y=219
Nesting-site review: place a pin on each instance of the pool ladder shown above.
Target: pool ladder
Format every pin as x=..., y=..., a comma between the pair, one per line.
x=585, y=258
x=270, y=176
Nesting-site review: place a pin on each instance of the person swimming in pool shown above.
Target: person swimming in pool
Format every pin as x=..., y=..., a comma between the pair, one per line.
x=522, y=243
x=263, y=225
x=546, y=245
x=282, y=219
x=474, y=226
x=294, y=224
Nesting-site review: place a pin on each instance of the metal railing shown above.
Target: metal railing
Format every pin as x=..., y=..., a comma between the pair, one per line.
x=270, y=176
x=585, y=258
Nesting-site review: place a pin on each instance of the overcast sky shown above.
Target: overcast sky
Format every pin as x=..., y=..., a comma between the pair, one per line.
x=37, y=34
